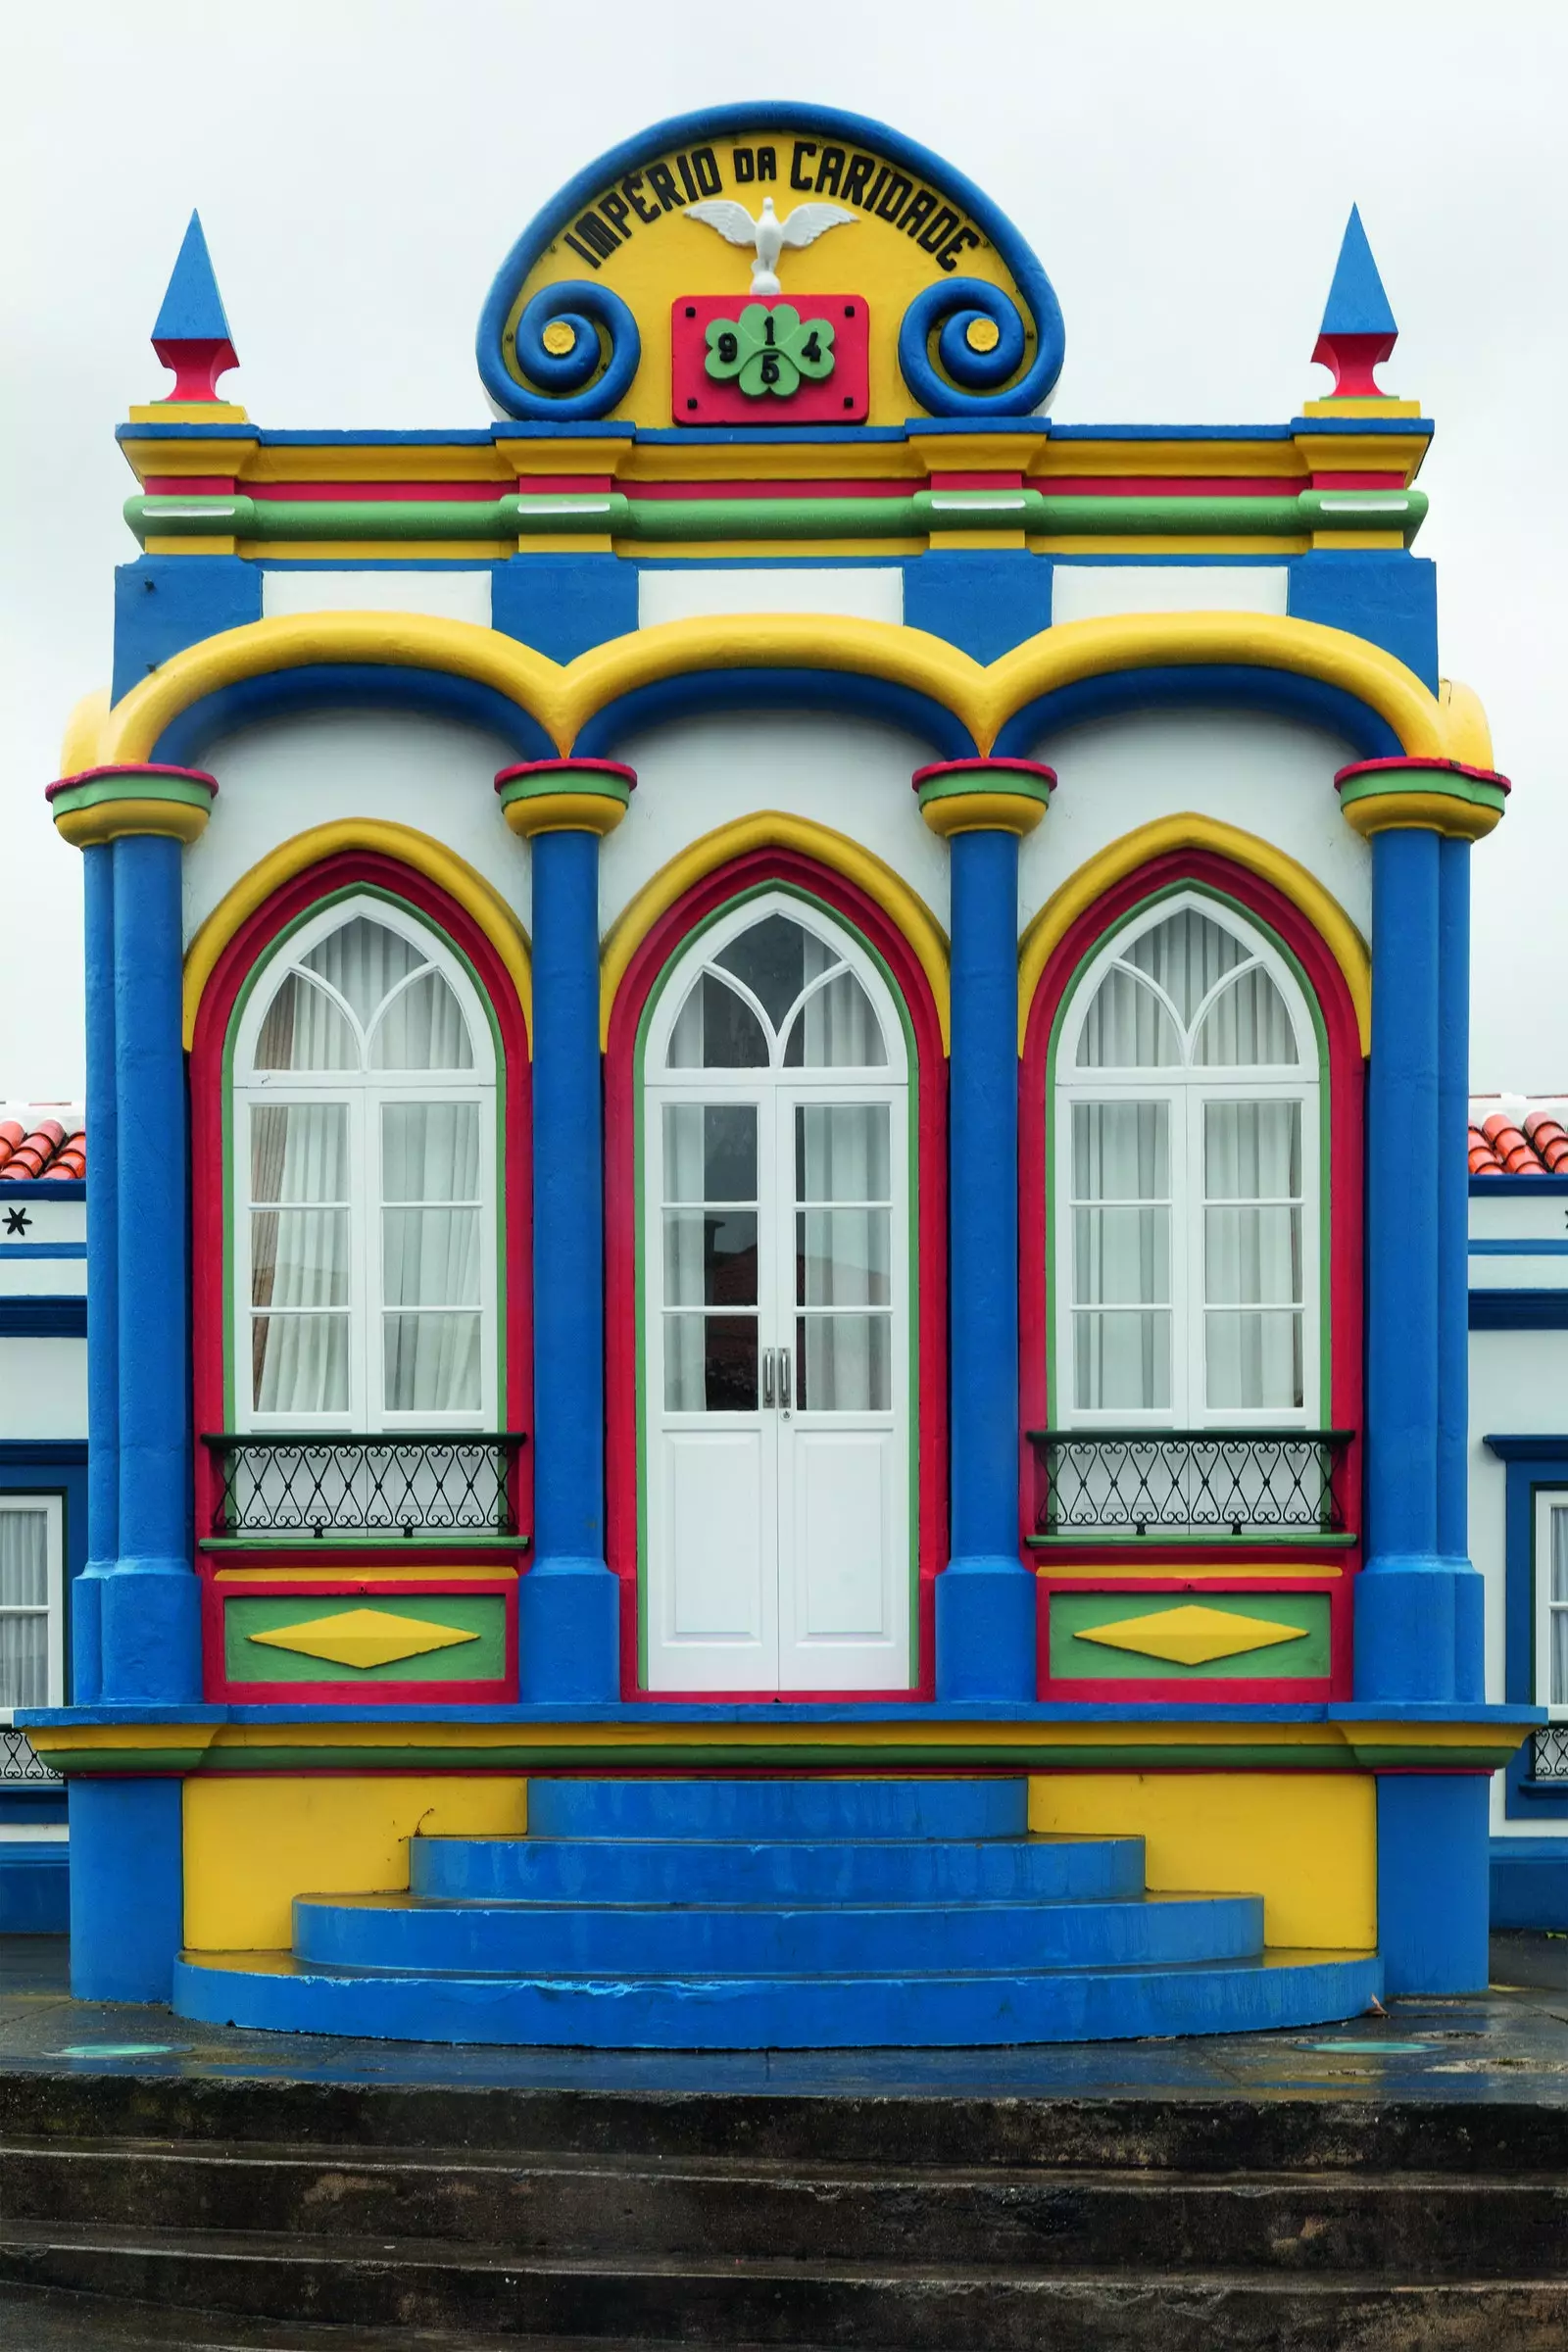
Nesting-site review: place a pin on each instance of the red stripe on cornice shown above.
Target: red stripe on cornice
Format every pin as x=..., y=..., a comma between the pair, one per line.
x=1178, y=486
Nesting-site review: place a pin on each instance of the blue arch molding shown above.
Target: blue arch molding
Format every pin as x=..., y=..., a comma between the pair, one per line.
x=945, y=311
x=1200, y=685
x=696, y=692
x=348, y=686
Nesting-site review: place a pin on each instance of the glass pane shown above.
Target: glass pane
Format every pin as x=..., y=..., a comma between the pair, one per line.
x=1121, y=1362
x=364, y=962
x=1560, y=1552
x=430, y=1363
x=711, y=1151
x=1557, y=1615
x=1121, y=1256
x=836, y=1028
x=1252, y=1257
x=1184, y=955
x=1246, y=1025
x=843, y=1151
x=716, y=1030
x=1127, y=1028
x=710, y=1363
x=430, y=1256
x=1253, y=1150
x=300, y=1363
x=1120, y=1151
x=771, y=960
x=422, y=1029
x=843, y=1258
x=844, y=1363
x=1252, y=1360
x=24, y=1661
x=24, y=1560
x=1559, y=1659
x=710, y=1259
x=430, y=1151
x=299, y=1152
x=304, y=1030
x=300, y=1258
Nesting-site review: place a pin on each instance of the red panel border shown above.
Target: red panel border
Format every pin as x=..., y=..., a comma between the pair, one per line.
x=751, y=872
x=1346, y=1084
x=210, y=1273
x=328, y=1586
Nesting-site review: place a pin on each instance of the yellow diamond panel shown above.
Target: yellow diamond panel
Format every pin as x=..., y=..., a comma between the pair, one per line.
x=362, y=1638
x=1192, y=1634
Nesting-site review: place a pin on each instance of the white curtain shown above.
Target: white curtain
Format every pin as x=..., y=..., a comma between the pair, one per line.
x=430, y=1256
x=300, y=1281
x=837, y=1029
x=710, y=1243
x=24, y=1608
x=1184, y=955
x=306, y=1030
x=1559, y=1607
x=423, y=1028
x=1252, y=1255
x=363, y=960
x=1121, y=1244
x=843, y=1256
x=1247, y=1028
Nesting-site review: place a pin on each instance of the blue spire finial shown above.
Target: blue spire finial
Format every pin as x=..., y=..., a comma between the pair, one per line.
x=190, y=333
x=1356, y=303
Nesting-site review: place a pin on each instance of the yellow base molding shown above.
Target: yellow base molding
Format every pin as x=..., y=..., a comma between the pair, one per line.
x=252, y=1846
x=1305, y=1841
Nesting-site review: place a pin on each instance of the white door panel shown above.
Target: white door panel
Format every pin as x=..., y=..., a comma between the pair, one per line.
x=841, y=1521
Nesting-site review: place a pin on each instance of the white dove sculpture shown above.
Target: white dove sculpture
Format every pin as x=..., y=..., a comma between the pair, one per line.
x=767, y=236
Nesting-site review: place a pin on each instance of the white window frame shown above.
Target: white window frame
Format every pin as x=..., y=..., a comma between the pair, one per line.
x=1186, y=1090
x=364, y=1093
x=54, y=1510
x=1546, y=1500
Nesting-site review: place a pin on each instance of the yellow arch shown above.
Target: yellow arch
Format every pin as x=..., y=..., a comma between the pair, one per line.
x=564, y=698
x=1189, y=831
x=773, y=830
x=484, y=905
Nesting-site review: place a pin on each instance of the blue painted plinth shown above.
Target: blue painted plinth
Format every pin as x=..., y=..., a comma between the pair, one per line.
x=151, y=1630
x=1432, y=1906
x=568, y=1632
x=798, y=1913
x=1530, y=1883
x=127, y=1888
x=34, y=1889
x=985, y=1631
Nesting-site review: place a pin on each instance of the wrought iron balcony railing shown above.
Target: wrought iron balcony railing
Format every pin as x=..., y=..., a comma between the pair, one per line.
x=406, y=1483
x=19, y=1765
x=1549, y=1753
x=1188, y=1482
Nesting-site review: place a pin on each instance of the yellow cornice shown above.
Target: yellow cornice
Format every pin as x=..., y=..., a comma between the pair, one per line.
x=1205, y=461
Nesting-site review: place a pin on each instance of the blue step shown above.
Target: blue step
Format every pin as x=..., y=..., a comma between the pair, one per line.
x=393, y=1931
x=276, y=1992
x=977, y=1807
x=607, y=1870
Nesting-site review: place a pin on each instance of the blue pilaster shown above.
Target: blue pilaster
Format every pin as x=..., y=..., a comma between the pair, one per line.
x=103, y=1309
x=127, y=1888
x=1453, y=1266
x=568, y=1603
x=1433, y=1892
x=150, y=1620
x=985, y=1599
x=1405, y=1632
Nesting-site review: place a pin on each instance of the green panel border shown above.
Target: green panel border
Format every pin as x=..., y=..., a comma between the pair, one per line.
x=483, y=1659
x=1076, y=1660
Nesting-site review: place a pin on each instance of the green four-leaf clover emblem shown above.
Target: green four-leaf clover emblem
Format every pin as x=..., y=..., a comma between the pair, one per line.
x=769, y=349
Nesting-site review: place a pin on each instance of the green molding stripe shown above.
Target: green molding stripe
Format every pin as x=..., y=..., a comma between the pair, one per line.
x=564, y=778
x=1037, y=512
x=971, y=776
x=480, y=1659
x=134, y=784
x=1378, y=780
x=1076, y=1615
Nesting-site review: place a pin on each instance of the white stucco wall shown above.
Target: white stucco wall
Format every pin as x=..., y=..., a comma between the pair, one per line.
x=278, y=778
x=43, y=1387
x=1269, y=776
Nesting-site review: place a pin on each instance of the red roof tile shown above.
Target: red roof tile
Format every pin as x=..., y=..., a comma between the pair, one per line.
x=1523, y=1139
x=43, y=1141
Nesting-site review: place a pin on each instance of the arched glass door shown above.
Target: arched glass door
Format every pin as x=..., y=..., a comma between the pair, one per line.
x=776, y=1313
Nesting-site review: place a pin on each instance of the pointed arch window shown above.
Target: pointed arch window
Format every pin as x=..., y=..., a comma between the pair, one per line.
x=1188, y=1196
x=364, y=1182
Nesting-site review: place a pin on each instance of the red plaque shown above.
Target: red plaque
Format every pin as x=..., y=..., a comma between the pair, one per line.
x=749, y=359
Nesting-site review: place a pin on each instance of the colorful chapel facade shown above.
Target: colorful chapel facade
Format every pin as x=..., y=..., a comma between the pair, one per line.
x=777, y=1076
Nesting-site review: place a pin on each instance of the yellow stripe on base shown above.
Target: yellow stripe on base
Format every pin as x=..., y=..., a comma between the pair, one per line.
x=1306, y=1842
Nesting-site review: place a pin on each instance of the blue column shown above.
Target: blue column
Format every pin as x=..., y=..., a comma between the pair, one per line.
x=127, y=1888
x=1404, y=1634
x=1454, y=1267
x=1434, y=1900
x=569, y=1624
x=985, y=1599
x=103, y=1309
x=151, y=1650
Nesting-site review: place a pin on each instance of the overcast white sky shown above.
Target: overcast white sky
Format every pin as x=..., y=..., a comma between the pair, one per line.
x=1184, y=172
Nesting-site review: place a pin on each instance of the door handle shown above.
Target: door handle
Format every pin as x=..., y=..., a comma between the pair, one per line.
x=785, y=1359
x=767, y=1379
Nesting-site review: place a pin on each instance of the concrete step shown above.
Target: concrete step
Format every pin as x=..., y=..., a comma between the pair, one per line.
x=662, y=1807
x=1402, y=2227
x=808, y=1870
x=929, y=2306
x=864, y=2011
x=399, y=1932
